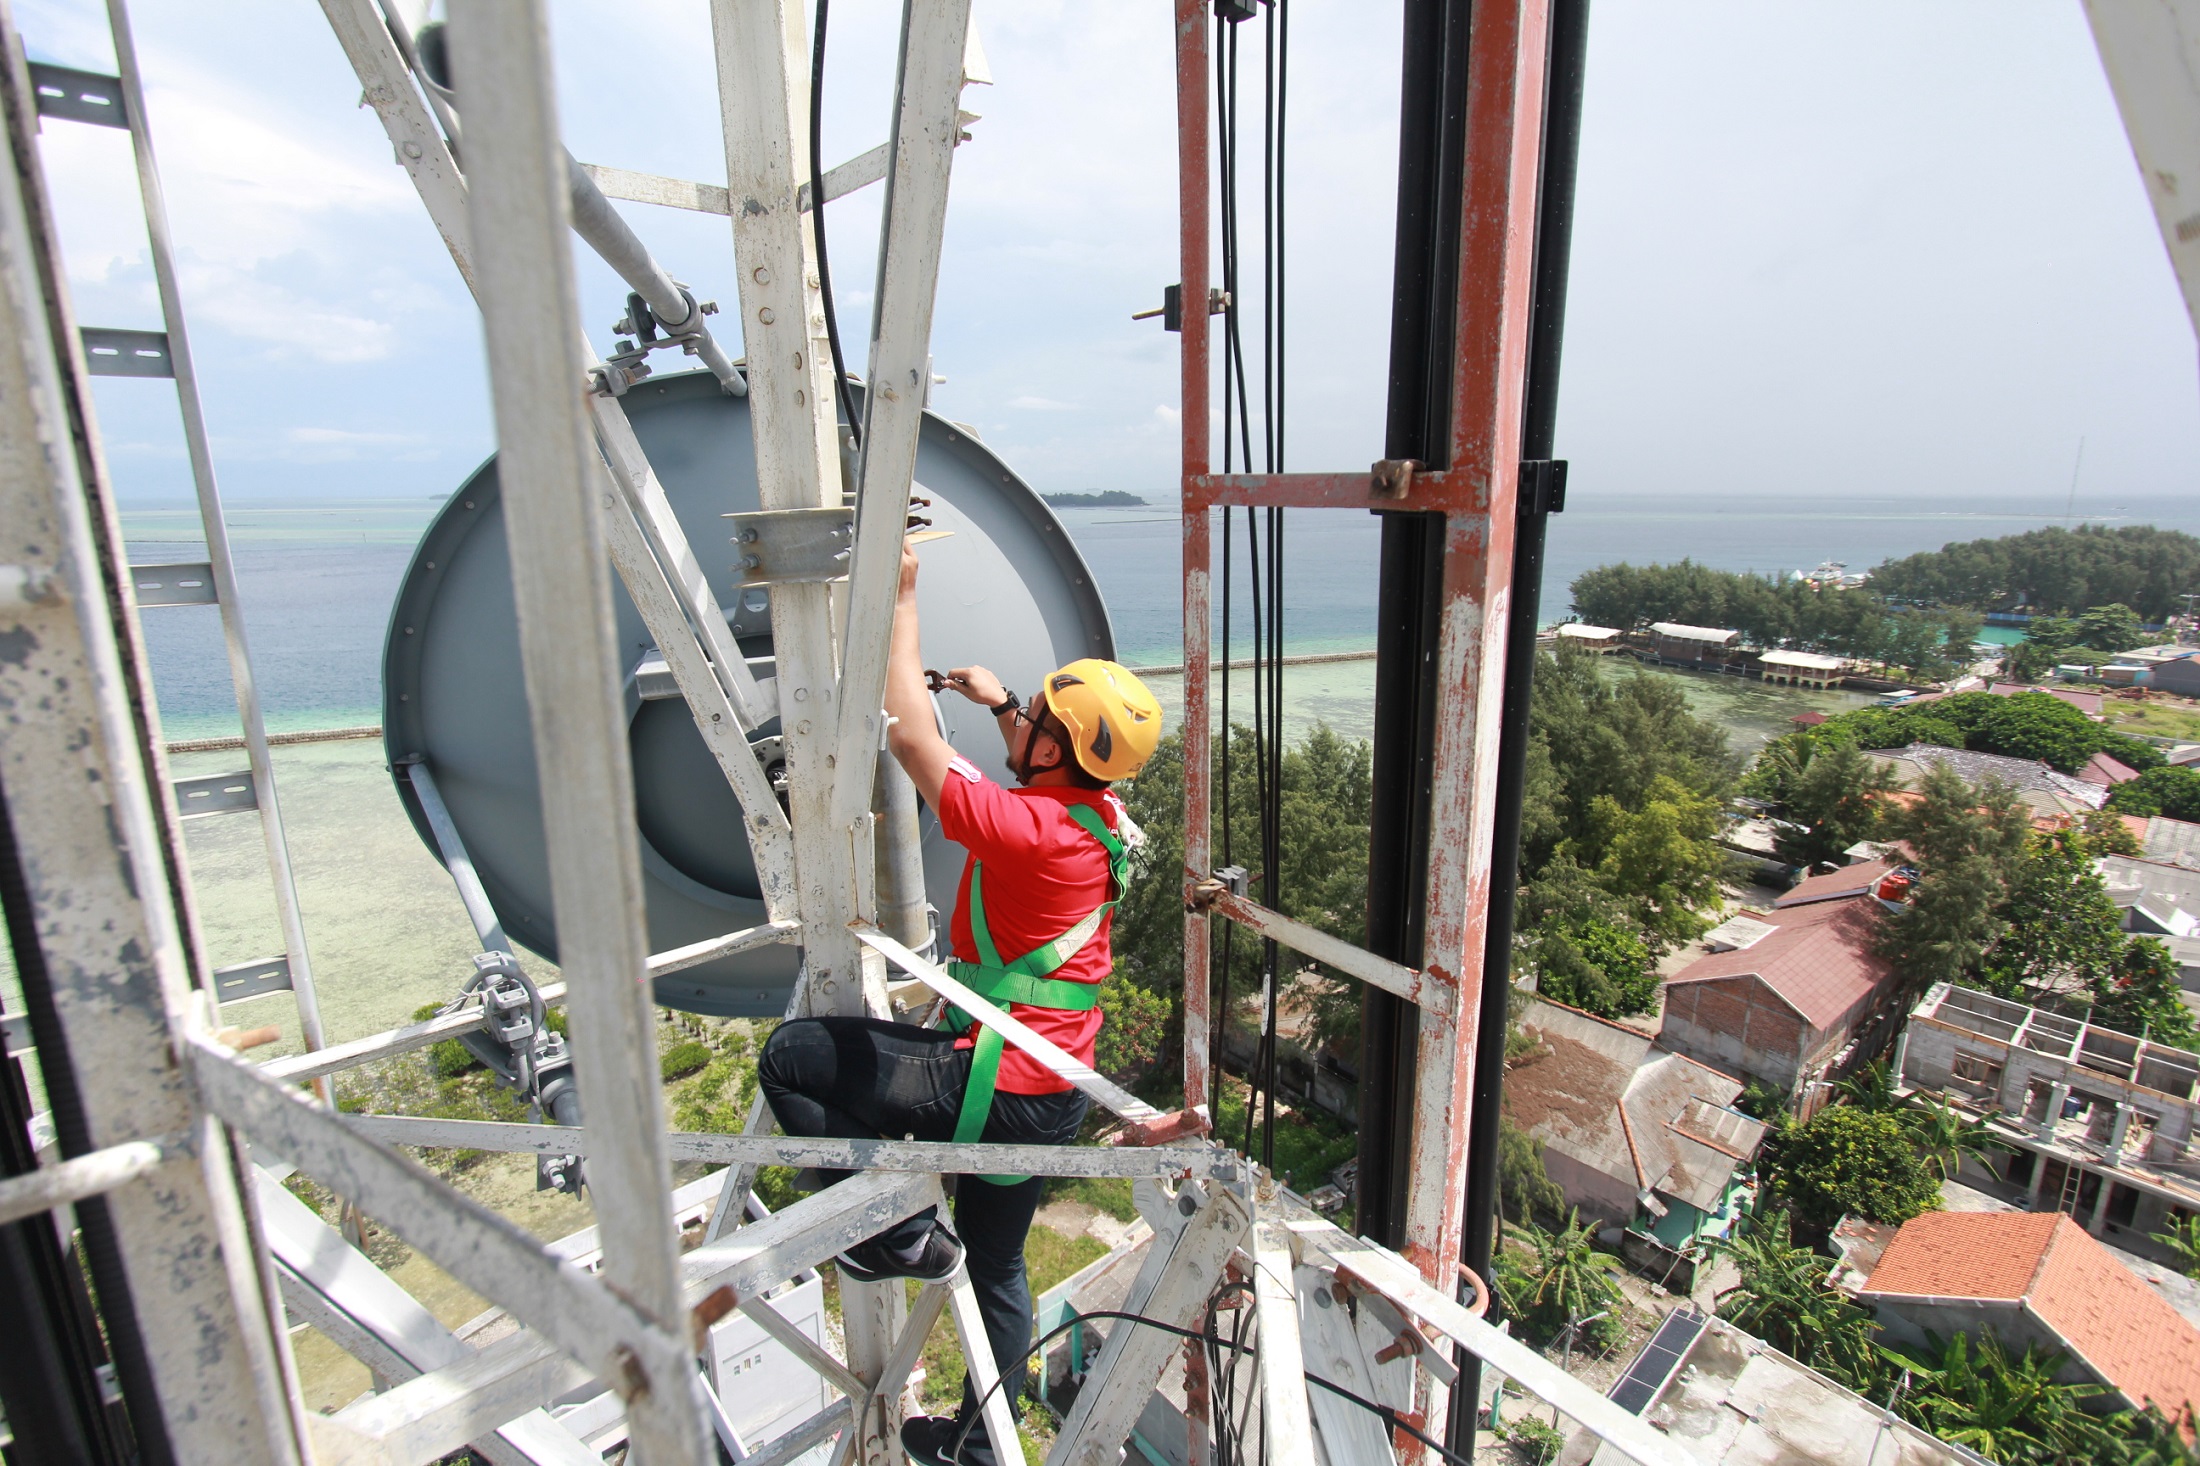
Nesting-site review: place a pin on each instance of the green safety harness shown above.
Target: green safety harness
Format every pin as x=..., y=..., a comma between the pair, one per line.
x=1025, y=980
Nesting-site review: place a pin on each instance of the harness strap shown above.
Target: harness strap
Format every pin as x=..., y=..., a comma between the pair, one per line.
x=1025, y=980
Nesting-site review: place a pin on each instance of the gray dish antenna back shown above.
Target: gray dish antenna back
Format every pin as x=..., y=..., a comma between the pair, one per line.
x=1005, y=589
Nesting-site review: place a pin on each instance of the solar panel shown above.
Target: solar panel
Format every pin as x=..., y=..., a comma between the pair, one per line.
x=1659, y=1360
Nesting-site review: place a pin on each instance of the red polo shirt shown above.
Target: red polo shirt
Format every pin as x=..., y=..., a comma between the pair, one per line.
x=1044, y=873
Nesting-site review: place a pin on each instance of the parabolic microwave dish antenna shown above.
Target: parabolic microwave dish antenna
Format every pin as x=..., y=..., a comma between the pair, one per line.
x=1005, y=588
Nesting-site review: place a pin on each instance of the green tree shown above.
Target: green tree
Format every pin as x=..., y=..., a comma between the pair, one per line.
x=1844, y=1161
x=1969, y=840
x=2145, y=997
x=2136, y=565
x=2114, y=628
x=1598, y=967
x=1566, y=1279
x=1838, y=794
x=1659, y=855
x=1944, y=1136
x=2061, y=935
x=1524, y=1188
x=1972, y=1392
x=1870, y=1088
x=2173, y=791
x=1781, y=1297
x=2183, y=1240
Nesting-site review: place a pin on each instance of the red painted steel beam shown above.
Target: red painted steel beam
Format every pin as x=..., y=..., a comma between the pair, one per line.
x=1496, y=282
x=1435, y=491
x=1192, y=183
x=1193, y=191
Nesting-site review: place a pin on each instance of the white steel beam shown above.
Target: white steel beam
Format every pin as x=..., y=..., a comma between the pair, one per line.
x=95, y=869
x=720, y=720
x=923, y=143
x=1105, y=1092
x=450, y=1406
x=1320, y=946
x=667, y=585
x=996, y=1409
x=199, y=449
x=519, y=197
x=753, y=702
x=414, y=139
x=803, y=1347
x=2151, y=52
x=598, y=1325
x=1180, y=1271
x=931, y=1157
x=1394, y=1278
x=89, y=1175
x=763, y=95
x=1285, y=1420
x=1332, y=1350
x=405, y=1040
x=763, y=92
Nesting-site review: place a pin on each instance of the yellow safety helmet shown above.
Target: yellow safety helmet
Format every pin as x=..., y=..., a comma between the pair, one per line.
x=1114, y=722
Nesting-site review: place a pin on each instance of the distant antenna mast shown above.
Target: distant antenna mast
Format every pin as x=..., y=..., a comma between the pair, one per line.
x=2072, y=507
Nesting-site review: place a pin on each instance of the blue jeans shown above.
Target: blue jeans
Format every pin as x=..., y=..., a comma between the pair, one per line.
x=867, y=1079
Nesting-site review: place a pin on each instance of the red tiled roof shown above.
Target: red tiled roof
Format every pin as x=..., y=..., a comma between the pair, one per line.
x=2104, y=1314
x=2108, y=772
x=1810, y=719
x=1849, y=880
x=2088, y=703
x=1818, y=959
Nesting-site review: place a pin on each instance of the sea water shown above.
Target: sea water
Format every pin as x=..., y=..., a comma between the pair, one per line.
x=317, y=579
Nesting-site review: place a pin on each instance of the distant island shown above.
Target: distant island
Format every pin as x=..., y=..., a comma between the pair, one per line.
x=1108, y=499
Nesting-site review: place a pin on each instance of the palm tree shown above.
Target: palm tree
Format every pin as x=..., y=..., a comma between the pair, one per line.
x=1870, y=1088
x=2183, y=1239
x=1569, y=1278
x=1782, y=1299
x=1972, y=1393
x=1944, y=1137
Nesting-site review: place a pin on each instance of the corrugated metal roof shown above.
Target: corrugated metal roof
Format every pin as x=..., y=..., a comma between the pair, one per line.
x=1680, y=632
x=1819, y=961
x=1609, y=1098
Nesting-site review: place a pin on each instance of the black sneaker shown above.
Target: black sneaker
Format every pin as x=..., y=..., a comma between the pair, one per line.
x=871, y=1262
x=928, y=1439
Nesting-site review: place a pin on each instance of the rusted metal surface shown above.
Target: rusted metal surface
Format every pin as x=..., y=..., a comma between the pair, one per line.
x=1496, y=280
x=1445, y=491
x=1192, y=196
x=1475, y=491
x=1311, y=942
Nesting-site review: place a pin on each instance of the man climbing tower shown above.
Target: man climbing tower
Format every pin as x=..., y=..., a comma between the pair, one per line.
x=1030, y=932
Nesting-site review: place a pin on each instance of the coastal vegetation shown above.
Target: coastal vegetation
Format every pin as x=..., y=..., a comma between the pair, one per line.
x=2025, y=725
x=1105, y=499
x=1771, y=611
x=2055, y=570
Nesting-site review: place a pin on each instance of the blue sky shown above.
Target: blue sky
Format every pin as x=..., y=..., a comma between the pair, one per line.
x=1875, y=248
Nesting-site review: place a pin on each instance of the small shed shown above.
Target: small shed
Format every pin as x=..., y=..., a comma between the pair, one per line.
x=1802, y=669
x=1691, y=646
x=1598, y=639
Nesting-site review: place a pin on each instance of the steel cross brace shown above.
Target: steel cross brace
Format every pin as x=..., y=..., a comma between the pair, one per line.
x=933, y=39
x=646, y=543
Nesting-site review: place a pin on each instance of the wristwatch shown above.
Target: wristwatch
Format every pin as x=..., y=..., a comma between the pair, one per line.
x=1008, y=704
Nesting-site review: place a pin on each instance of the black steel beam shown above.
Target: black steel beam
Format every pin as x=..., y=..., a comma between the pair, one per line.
x=1431, y=158
x=1542, y=493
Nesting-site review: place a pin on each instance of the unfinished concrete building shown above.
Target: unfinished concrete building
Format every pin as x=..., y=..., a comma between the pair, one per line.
x=2096, y=1124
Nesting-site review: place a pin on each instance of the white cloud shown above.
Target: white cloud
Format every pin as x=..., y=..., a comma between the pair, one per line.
x=1041, y=404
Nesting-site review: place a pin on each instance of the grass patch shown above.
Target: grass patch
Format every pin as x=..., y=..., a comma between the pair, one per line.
x=1049, y=1257
x=2157, y=720
x=683, y=1059
x=1309, y=1144
x=1107, y=1194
